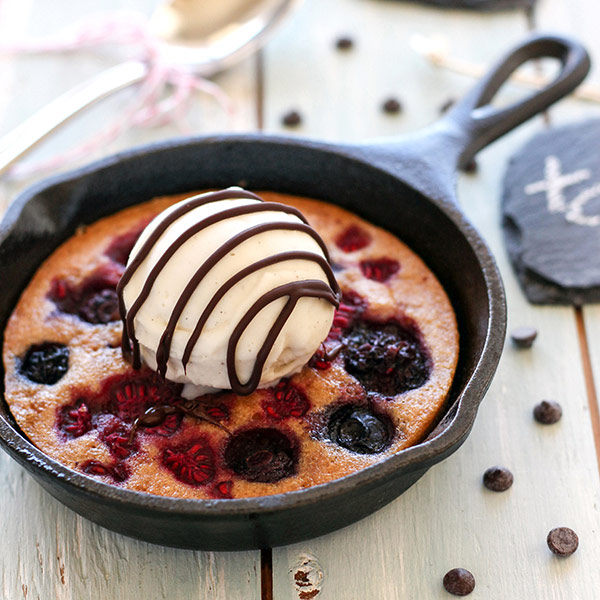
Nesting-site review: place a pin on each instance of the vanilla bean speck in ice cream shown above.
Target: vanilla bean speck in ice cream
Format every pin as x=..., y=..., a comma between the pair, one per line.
x=225, y=291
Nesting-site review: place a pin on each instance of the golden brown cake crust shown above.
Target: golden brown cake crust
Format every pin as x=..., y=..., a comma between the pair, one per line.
x=413, y=295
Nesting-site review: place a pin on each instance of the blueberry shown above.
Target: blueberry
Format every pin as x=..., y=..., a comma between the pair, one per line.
x=45, y=363
x=264, y=454
x=360, y=430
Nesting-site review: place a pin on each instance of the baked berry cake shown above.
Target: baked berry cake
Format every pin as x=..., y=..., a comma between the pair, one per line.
x=374, y=386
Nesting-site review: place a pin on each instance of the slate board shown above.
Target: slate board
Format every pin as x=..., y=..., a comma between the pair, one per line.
x=551, y=215
x=481, y=5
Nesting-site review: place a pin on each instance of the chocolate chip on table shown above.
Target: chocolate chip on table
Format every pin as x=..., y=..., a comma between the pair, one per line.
x=392, y=106
x=447, y=105
x=562, y=541
x=344, y=43
x=523, y=337
x=470, y=167
x=291, y=118
x=459, y=582
x=497, y=479
x=547, y=412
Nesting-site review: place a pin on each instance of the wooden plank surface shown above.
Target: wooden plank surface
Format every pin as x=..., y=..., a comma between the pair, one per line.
x=447, y=519
x=580, y=18
x=49, y=552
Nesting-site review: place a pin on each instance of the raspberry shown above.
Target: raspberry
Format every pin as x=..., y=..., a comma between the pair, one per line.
x=379, y=269
x=223, y=489
x=117, y=471
x=116, y=436
x=218, y=412
x=353, y=238
x=168, y=427
x=121, y=246
x=75, y=419
x=350, y=309
x=131, y=399
x=192, y=463
x=129, y=396
x=285, y=400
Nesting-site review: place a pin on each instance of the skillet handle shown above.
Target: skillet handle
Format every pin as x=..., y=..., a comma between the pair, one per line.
x=482, y=123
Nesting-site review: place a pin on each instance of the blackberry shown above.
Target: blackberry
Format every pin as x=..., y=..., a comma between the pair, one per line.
x=387, y=358
x=264, y=454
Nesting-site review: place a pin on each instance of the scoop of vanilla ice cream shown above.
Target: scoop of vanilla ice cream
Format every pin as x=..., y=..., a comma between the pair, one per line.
x=206, y=370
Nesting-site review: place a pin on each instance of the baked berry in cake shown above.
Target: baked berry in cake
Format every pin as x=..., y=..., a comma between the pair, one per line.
x=374, y=386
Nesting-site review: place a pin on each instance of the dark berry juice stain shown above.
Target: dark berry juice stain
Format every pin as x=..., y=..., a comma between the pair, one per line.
x=359, y=429
x=120, y=248
x=45, y=363
x=263, y=455
x=387, y=358
x=353, y=238
x=74, y=419
x=379, y=269
x=285, y=400
x=192, y=463
x=95, y=300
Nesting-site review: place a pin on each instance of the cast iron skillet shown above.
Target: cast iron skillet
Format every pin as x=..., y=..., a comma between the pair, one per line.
x=406, y=186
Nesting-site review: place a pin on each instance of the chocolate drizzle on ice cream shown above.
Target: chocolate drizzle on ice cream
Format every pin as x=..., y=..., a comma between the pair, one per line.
x=293, y=291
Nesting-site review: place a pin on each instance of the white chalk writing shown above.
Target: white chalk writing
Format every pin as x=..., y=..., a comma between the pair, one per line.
x=554, y=185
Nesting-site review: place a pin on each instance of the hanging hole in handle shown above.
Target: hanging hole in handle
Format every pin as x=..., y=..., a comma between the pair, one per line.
x=532, y=75
x=481, y=122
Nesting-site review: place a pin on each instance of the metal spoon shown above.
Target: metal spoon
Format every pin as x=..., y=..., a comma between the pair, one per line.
x=203, y=36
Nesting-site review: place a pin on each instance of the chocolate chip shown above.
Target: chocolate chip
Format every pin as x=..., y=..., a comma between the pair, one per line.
x=497, y=479
x=447, y=105
x=523, y=337
x=547, y=412
x=291, y=119
x=459, y=582
x=562, y=541
x=344, y=43
x=391, y=106
x=471, y=167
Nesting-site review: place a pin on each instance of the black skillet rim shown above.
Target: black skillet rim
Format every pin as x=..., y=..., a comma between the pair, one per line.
x=420, y=456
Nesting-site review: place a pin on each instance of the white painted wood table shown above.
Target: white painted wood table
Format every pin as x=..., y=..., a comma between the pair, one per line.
x=447, y=519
